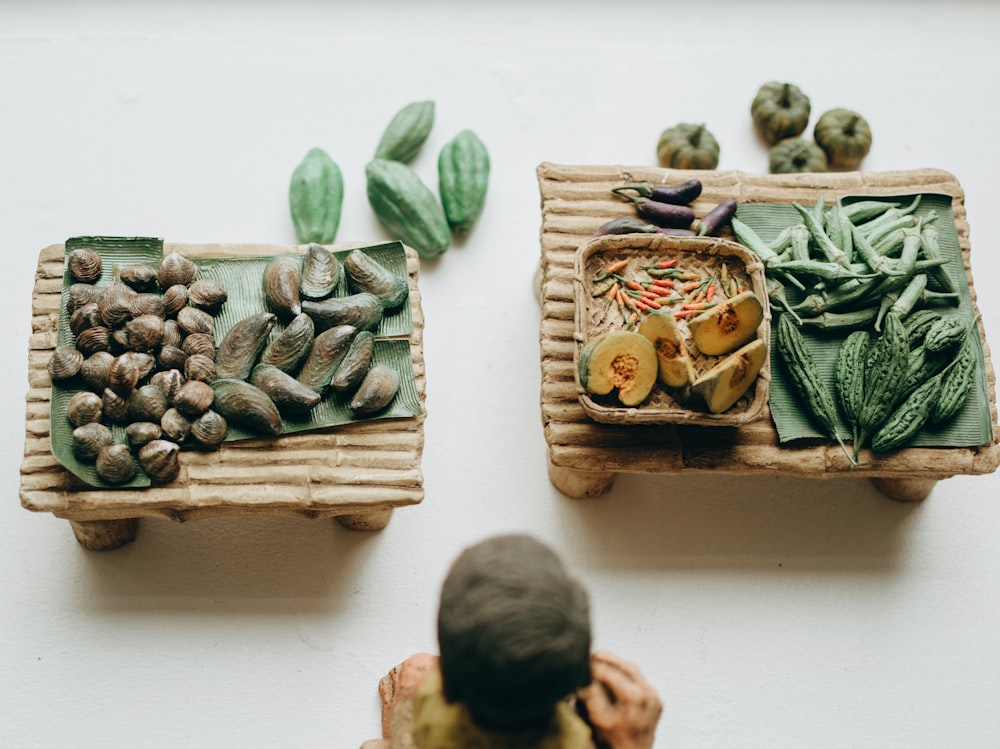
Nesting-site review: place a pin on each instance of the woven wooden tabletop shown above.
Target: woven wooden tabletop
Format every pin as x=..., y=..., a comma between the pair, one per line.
x=339, y=471
x=575, y=201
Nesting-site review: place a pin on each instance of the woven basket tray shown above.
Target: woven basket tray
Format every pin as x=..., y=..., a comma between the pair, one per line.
x=702, y=256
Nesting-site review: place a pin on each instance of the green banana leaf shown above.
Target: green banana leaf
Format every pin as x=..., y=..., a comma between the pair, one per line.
x=972, y=426
x=242, y=279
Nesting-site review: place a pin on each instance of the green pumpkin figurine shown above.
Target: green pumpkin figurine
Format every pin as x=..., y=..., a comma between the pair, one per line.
x=844, y=136
x=688, y=146
x=780, y=111
x=795, y=155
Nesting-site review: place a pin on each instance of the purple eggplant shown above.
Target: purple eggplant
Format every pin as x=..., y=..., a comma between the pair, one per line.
x=715, y=219
x=664, y=214
x=625, y=225
x=631, y=225
x=682, y=194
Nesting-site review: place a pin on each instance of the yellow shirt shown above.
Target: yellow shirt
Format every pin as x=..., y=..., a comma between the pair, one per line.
x=438, y=724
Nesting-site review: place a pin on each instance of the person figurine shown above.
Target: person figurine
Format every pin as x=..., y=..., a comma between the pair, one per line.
x=515, y=669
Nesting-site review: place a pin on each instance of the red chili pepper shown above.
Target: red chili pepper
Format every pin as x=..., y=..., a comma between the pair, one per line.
x=710, y=293
x=664, y=282
x=667, y=263
x=634, y=285
x=684, y=313
x=653, y=303
x=695, y=306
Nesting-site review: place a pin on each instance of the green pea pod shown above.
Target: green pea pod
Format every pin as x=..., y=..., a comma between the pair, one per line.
x=463, y=174
x=406, y=132
x=316, y=197
x=406, y=207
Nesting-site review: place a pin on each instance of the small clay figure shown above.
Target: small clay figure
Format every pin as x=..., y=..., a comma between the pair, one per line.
x=515, y=666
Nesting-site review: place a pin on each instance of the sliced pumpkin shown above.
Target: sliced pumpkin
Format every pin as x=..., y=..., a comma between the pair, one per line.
x=727, y=326
x=624, y=361
x=727, y=382
x=675, y=367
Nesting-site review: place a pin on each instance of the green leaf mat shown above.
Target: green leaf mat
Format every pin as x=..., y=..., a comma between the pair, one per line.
x=242, y=280
x=971, y=426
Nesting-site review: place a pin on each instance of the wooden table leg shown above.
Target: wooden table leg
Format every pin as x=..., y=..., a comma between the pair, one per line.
x=373, y=520
x=905, y=490
x=105, y=535
x=580, y=484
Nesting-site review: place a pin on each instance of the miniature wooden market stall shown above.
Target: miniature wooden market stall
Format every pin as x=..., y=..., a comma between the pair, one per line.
x=355, y=472
x=585, y=454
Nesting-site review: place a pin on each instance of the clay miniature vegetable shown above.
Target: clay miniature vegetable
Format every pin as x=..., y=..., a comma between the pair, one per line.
x=713, y=221
x=728, y=325
x=632, y=225
x=806, y=380
x=406, y=132
x=729, y=380
x=315, y=197
x=667, y=215
x=463, y=177
x=679, y=194
x=675, y=367
x=622, y=360
x=844, y=136
x=796, y=155
x=779, y=111
x=687, y=146
x=407, y=208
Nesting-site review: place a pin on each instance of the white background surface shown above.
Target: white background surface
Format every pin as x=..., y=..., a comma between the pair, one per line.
x=768, y=612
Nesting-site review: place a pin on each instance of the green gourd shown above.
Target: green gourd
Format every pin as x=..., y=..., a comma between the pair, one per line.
x=463, y=176
x=795, y=155
x=316, y=197
x=844, y=136
x=407, y=207
x=687, y=146
x=907, y=419
x=886, y=367
x=958, y=381
x=849, y=377
x=406, y=132
x=806, y=380
x=780, y=111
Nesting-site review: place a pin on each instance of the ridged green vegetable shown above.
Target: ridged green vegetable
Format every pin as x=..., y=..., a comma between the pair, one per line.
x=806, y=379
x=406, y=132
x=463, y=177
x=945, y=333
x=407, y=207
x=918, y=323
x=908, y=417
x=849, y=377
x=957, y=382
x=887, y=363
x=316, y=197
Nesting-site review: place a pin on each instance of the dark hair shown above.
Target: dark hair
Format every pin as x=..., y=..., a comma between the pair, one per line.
x=513, y=630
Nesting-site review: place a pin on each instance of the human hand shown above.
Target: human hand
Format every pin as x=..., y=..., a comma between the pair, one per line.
x=620, y=705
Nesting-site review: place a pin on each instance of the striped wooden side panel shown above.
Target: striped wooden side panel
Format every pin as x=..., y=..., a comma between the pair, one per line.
x=575, y=201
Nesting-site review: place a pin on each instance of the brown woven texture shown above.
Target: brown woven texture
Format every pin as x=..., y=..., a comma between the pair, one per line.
x=344, y=470
x=575, y=201
x=698, y=256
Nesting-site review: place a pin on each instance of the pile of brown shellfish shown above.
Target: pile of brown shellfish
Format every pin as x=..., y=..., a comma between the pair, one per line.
x=146, y=351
